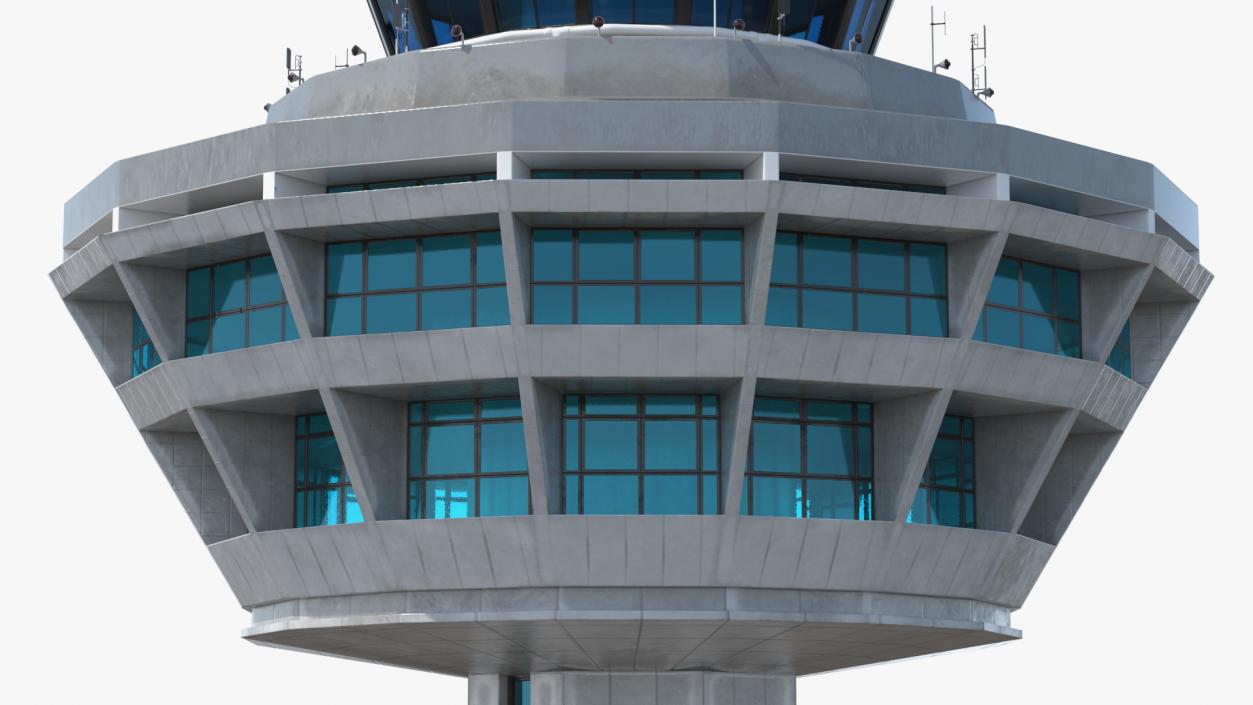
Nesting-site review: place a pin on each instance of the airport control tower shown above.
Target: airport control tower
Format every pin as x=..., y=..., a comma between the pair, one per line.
x=630, y=352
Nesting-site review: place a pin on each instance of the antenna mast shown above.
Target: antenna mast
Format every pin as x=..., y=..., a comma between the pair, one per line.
x=979, y=44
x=944, y=23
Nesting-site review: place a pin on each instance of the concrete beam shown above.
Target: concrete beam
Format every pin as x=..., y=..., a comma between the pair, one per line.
x=159, y=296
x=1013, y=455
x=971, y=266
x=372, y=434
x=1072, y=475
x=190, y=470
x=255, y=453
x=993, y=187
x=904, y=431
x=301, y=265
x=1107, y=298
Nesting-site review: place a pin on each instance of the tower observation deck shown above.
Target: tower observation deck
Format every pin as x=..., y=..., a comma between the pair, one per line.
x=637, y=364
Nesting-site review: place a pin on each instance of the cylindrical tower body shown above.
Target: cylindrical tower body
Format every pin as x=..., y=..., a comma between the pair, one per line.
x=631, y=366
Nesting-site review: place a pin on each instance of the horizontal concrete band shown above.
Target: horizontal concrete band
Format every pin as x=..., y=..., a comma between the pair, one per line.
x=266, y=378
x=631, y=126
x=358, y=560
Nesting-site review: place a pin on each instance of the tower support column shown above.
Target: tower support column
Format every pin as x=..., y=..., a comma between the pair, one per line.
x=656, y=688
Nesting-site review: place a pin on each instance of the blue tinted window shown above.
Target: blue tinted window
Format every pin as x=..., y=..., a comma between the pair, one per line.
x=667, y=304
x=946, y=495
x=144, y=355
x=491, y=306
x=392, y=264
x=1120, y=357
x=324, y=494
x=344, y=272
x=606, y=303
x=668, y=255
x=810, y=458
x=881, y=265
x=606, y=255
x=432, y=180
x=552, y=303
x=1032, y=306
x=721, y=304
x=627, y=454
x=467, y=458
x=880, y=313
x=236, y=305
x=230, y=287
x=390, y=313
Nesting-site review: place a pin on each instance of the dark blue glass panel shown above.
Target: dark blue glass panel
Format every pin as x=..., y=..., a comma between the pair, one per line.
x=670, y=405
x=1067, y=293
x=865, y=452
x=709, y=405
x=552, y=254
x=721, y=259
x=1068, y=338
x=776, y=447
x=946, y=507
x=229, y=286
x=654, y=11
x=450, y=449
x=606, y=254
x=777, y=408
x=918, y=509
x=571, y=491
x=609, y=405
x=415, y=450
x=491, y=307
x=289, y=325
x=343, y=316
x=881, y=313
x=670, y=445
x=265, y=325
x=502, y=408
x=392, y=264
x=489, y=265
x=1004, y=289
x=343, y=268
x=709, y=444
x=325, y=463
x=197, y=338
x=450, y=410
x=1037, y=287
x=881, y=265
x=391, y=313
x=662, y=304
x=616, y=11
x=1002, y=327
x=606, y=303
x=829, y=411
x=503, y=447
x=571, y=404
x=778, y=497
x=552, y=303
x=319, y=423
x=572, y=445
x=969, y=506
x=951, y=425
x=832, y=310
x=829, y=450
x=446, y=309
x=446, y=260
x=555, y=12
x=945, y=463
x=352, y=509
x=927, y=269
x=671, y=494
x=709, y=494
x=831, y=499
x=198, y=292
x=1038, y=334
x=1120, y=357
x=504, y=496
x=781, y=306
x=448, y=499
x=611, y=494
x=666, y=255
x=928, y=317
x=827, y=261
x=722, y=304
x=784, y=268
x=227, y=332
x=610, y=444
x=264, y=286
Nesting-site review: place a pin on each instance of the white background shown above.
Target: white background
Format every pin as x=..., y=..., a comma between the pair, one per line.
x=109, y=595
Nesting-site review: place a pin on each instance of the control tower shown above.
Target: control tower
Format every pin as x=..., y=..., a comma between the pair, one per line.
x=631, y=352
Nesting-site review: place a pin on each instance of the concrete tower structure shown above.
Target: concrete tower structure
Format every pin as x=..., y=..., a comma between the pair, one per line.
x=638, y=364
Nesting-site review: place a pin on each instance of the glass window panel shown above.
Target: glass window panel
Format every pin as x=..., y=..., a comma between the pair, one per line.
x=415, y=451
x=721, y=174
x=610, y=404
x=445, y=260
x=552, y=255
x=968, y=500
x=928, y=317
x=880, y=265
x=343, y=316
x=1004, y=289
x=829, y=450
x=670, y=445
x=504, y=496
x=515, y=14
x=865, y=451
x=503, y=447
x=829, y=411
x=951, y=425
x=448, y=499
x=1037, y=287
x=552, y=303
x=945, y=462
x=343, y=267
x=666, y=255
x=198, y=292
x=827, y=261
x=784, y=268
x=572, y=445
x=390, y=313
x=720, y=256
x=572, y=494
x=606, y=254
x=1068, y=339
x=880, y=313
x=832, y=310
x=611, y=494
x=776, y=447
x=777, y=408
x=1003, y=327
x=392, y=264
x=709, y=405
x=617, y=11
x=571, y=405
x=927, y=269
x=664, y=304
x=555, y=12
x=502, y=408
x=352, y=508
x=671, y=494
x=229, y=286
x=319, y=423
x=491, y=307
x=946, y=507
x=445, y=309
x=489, y=265
x=709, y=445
x=781, y=307
x=709, y=494
x=610, y=444
x=918, y=509
x=197, y=338
x=778, y=497
x=722, y=305
x=263, y=285
x=670, y=405
x=450, y=449
x=831, y=499
x=654, y=11
x=606, y=304
x=289, y=325
x=863, y=413
x=1038, y=334
x=227, y=332
x=1067, y=293
x=450, y=410
x=265, y=325
x=325, y=462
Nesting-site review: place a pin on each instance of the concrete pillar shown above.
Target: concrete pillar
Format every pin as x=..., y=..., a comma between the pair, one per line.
x=488, y=689
x=971, y=266
x=128, y=217
x=991, y=186
x=186, y=464
x=1013, y=455
x=107, y=327
x=735, y=421
x=764, y=167
x=904, y=431
x=1107, y=297
x=510, y=166
x=1073, y=473
x=759, y=239
x=278, y=185
x=301, y=265
x=159, y=296
x=661, y=688
x=515, y=246
x=545, y=456
x=256, y=456
x=372, y=433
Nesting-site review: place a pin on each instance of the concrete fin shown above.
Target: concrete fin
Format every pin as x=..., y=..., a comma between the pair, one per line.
x=1013, y=455
x=255, y=453
x=1073, y=473
x=541, y=423
x=515, y=248
x=106, y=325
x=759, y=253
x=971, y=265
x=1155, y=328
x=159, y=296
x=735, y=424
x=904, y=431
x=301, y=263
x=372, y=433
x=1108, y=297
x=192, y=474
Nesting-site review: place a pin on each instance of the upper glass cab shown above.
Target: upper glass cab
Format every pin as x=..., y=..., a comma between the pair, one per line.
x=407, y=25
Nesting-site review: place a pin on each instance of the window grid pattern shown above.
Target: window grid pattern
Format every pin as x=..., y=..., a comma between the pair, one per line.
x=1032, y=306
x=324, y=493
x=405, y=284
x=467, y=458
x=862, y=183
x=637, y=276
x=705, y=174
x=810, y=459
x=946, y=495
x=406, y=183
x=144, y=355
x=1120, y=357
x=874, y=286
x=641, y=454
x=236, y=304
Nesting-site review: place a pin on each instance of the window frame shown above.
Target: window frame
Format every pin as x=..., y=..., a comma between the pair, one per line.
x=358, y=186
x=1022, y=312
x=1124, y=346
x=284, y=304
x=862, y=183
x=635, y=174
x=928, y=486
x=345, y=485
x=140, y=343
